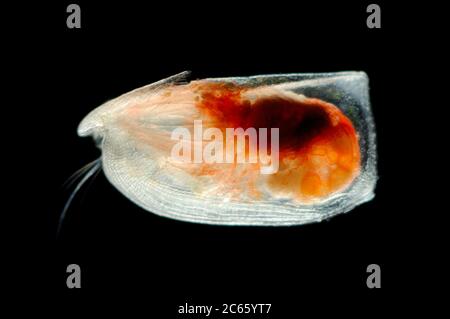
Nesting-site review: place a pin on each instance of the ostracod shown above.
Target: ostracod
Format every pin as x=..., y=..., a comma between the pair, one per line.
x=283, y=149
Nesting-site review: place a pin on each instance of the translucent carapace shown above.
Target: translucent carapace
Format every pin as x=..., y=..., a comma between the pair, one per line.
x=280, y=149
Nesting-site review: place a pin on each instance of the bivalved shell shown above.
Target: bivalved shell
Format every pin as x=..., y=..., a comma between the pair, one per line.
x=326, y=158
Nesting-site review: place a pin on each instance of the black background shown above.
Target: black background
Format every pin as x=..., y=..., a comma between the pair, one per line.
x=134, y=260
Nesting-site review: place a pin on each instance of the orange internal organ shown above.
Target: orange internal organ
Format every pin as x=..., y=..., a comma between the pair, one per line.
x=319, y=152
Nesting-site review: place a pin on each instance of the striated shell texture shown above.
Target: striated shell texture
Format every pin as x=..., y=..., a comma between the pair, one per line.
x=284, y=149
